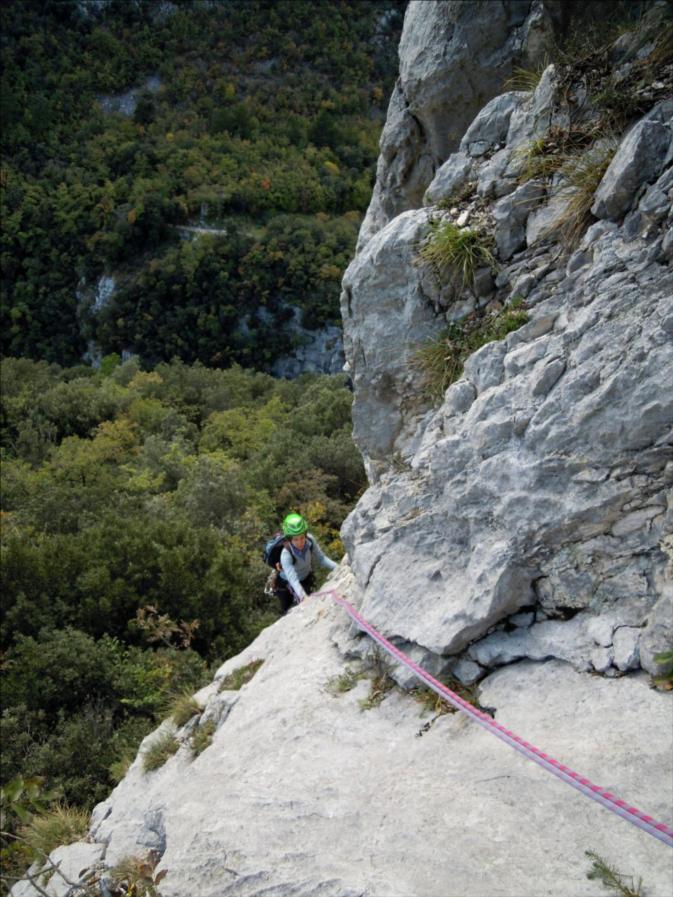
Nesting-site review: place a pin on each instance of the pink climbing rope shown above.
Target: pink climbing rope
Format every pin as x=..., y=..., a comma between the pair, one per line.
x=632, y=814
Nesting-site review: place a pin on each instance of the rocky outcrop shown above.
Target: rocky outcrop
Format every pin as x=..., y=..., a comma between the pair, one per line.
x=302, y=792
x=454, y=56
x=542, y=482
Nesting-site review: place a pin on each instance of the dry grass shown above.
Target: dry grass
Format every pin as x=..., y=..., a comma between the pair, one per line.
x=583, y=174
x=440, y=362
x=61, y=825
x=457, y=252
x=159, y=751
x=240, y=677
x=183, y=707
x=202, y=737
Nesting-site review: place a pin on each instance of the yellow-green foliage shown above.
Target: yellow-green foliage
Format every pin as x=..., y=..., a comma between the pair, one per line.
x=183, y=708
x=159, y=751
x=61, y=825
x=202, y=737
x=664, y=677
x=440, y=362
x=240, y=677
x=344, y=682
x=456, y=251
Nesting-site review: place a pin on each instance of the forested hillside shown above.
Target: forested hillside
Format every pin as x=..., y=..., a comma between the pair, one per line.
x=124, y=121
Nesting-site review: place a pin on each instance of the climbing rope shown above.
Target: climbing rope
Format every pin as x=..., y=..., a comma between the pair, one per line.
x=632, y=814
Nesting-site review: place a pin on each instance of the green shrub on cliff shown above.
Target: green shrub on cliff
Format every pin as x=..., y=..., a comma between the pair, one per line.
x=440, y=362
x=457, y=252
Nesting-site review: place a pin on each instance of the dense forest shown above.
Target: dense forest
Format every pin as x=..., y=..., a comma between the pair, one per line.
x=124, y=121
x=137, y=492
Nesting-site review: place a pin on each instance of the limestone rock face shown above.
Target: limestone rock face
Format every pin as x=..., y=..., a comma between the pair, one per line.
x=543, y=480
x=302, y=792
x=454, y=56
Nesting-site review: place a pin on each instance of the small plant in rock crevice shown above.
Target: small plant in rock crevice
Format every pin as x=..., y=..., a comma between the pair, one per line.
x=202, y=737
x=60, y=825
x=664, y=677
x=457, y=252
x=547, y=154
x=238, y=678
x=379, y=674
x=183, y=708
x=582, y=175
x=159, y=751
x=440, y=362
x=432, y=703
x=614, y=881
x=344, y=682
x=135, y=876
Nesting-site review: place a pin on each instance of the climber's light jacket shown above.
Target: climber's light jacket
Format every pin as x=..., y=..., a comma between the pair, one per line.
x=295, y=573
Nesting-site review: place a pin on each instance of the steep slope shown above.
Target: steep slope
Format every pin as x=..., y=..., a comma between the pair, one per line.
x=516, y=536
x=303, y=793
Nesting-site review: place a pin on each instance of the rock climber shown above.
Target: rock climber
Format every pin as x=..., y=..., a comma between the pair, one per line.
x=295, y=579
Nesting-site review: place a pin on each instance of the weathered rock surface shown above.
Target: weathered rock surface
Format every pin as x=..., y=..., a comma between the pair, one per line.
x=303, y=793
x=454, y=57
x=544, y=478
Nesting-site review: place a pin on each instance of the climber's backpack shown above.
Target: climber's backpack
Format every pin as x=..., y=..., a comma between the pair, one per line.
x=273, y=548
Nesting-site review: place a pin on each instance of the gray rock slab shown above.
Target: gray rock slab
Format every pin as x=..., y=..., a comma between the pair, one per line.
x=491, y=125
x=553, y=638
x=241, y=819
x=449, y=178
x=74, y=861
x=657, y=636
x=454, y=57
x=625, y=645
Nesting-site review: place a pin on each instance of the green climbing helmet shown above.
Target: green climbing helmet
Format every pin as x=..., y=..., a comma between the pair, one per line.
x=294, y=525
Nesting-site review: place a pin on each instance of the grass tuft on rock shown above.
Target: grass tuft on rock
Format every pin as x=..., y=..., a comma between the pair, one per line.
x=457, y=251
x=61, y=825
x=346, y=681
x=583, y=174
x=240, y=677
x=202, y=737
x=378, y=672
x=183, y=707
x=440, y=362
x=159, y=751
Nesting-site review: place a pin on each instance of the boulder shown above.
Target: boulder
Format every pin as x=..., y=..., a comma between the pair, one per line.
x=449, y=178
x=491, y=125
x=638, y=161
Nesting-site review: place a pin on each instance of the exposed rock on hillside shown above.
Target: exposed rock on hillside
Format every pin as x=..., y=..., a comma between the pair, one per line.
x=542, y=482
x=454, y=56
x=302, y=793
